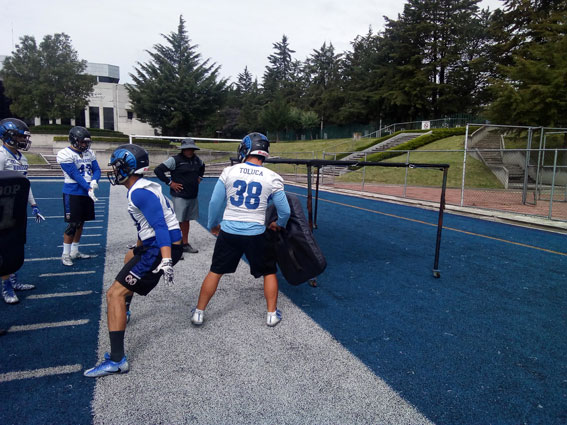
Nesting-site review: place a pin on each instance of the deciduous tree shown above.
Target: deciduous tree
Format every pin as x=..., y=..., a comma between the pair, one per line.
x=48, y=80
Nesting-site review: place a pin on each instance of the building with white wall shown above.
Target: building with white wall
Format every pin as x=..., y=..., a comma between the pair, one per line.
x=109, y=105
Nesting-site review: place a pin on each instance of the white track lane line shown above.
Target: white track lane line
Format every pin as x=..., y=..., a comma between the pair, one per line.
x=37, y=326
x=66, y=274
x=51, y=258
x=39, y=373
x=58, y=294
x=83, y=244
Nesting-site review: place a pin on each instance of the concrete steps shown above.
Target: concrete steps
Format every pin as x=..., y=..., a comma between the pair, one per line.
x=332, y=170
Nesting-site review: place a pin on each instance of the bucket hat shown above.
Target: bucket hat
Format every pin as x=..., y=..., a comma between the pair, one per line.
x=188, y=144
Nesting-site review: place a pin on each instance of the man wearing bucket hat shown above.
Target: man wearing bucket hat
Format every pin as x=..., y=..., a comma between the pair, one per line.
x=186, y=170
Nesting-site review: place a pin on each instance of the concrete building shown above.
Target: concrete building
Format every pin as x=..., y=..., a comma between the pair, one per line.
x=109, y=105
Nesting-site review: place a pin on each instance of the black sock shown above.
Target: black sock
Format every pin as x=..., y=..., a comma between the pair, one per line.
x=128, y=301
x=116, y=345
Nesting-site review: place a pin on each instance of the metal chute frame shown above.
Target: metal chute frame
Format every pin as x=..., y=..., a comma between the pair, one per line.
x=319, y=163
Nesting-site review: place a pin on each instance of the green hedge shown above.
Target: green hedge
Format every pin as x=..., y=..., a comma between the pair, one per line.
x=64, y=129
x=160, y=143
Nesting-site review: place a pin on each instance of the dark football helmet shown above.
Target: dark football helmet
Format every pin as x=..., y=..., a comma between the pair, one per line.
x=127, y=160
x=15, y=133
x=80, y=138
x=254, y=144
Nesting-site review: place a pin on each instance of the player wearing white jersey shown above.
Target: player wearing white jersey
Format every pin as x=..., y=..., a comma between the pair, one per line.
x=157, y=251
x=246, y=188
x=82, y=173
x=15, y=137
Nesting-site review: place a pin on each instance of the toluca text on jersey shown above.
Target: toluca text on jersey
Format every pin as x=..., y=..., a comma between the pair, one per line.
x=16, y=166
x=257, y=172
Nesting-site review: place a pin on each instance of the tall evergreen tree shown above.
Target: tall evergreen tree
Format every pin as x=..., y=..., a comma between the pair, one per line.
x=48, y=80
x=281, y=74
x=532, y=87
x=176, y=90
x=322, y=72
x=430, y=41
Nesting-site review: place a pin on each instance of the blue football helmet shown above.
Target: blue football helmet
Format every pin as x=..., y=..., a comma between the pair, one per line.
x=127, y=160
x=80, y=138
x=253, y=144
x=15, y=133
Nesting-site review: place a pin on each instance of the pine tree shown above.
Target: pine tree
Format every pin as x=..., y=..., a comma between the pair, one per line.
x=176, y=90
x=532, y=87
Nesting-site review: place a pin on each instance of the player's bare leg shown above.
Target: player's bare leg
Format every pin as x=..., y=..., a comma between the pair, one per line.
x=271, y=293
x=208, y=289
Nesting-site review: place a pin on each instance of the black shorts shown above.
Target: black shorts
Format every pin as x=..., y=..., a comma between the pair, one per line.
x=137, y=274
x=229, y=249
x=78, y=208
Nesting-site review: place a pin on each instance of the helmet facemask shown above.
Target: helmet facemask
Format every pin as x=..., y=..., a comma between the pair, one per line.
x=15, y=133
x=126, y=161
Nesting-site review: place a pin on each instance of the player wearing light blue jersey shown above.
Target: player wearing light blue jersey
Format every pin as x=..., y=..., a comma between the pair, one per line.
x=158, y=249
x=246, y=189
x=82, y=173
x=15, y=136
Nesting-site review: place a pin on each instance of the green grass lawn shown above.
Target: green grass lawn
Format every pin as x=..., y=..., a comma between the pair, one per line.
x=34, y=159
x=477, y=174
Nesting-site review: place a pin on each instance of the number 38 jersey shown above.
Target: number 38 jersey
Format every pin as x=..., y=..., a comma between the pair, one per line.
x=78, y=169
x=248, y=190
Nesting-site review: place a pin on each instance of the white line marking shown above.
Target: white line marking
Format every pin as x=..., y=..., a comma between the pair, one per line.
x=47, y=216
x=93, y=227
x=50, y=258
x=90, y=236
x=65, y=274
x=83, y=244
x=38, y=373
x=58, y=294
x=37, y=326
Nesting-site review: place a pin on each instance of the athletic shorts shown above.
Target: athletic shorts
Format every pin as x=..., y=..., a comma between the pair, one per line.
x=229, y=249
x=137, y=274
x=185, y=209
x=78, y=208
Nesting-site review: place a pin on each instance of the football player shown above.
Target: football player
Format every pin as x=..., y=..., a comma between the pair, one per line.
x=15, y=136
x=246, y=188
x=158, y=249
x=82, y=173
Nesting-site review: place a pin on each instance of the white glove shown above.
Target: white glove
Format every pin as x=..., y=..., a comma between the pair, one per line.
x=94, y=185
x=92, y=195
x=166, y=266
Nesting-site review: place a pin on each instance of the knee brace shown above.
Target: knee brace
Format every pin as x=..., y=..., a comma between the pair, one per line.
x=72, y=228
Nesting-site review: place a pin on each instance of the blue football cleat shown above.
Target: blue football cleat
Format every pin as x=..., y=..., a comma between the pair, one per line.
x=8, y=293
x=18, y=286
x=128, y=316
x=108, y=367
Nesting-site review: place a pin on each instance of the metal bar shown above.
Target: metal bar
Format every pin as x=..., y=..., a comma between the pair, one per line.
x=436, y=272
x=406, y=176
x=464, y=165
x=552, y=185
x=316, y=199
x=309, y=198
x=527, y=164
x=540, y=162
x=363, y=173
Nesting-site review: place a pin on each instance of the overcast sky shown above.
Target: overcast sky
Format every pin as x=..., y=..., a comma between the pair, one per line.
x=232, y=33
